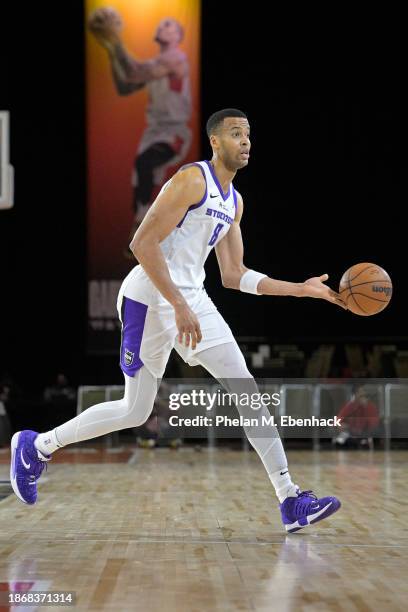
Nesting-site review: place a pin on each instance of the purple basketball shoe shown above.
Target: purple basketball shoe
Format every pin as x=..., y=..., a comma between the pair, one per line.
x=306, y=509
x=27, y=464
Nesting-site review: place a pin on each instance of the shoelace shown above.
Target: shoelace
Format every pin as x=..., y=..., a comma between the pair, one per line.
x=302, y=505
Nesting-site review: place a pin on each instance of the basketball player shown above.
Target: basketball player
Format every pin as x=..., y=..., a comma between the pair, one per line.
x=167, y=138
x=163, y=305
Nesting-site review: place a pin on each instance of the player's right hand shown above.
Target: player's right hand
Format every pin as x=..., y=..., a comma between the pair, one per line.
x=187, y=325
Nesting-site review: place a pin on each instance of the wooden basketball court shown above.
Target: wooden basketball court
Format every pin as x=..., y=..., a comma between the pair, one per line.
x=200, y=531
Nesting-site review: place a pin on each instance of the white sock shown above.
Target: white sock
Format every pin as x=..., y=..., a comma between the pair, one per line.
x=227, y=364
x=47, y=443
x=283, y=484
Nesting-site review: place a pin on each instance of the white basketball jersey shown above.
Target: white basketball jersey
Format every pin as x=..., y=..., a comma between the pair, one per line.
x=202, y=227
x=170, y=96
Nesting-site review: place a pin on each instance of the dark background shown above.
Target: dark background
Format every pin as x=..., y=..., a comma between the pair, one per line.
x=324, y=189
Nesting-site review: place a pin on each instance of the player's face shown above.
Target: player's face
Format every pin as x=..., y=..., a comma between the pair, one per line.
x=167, y=32
x=233, y=143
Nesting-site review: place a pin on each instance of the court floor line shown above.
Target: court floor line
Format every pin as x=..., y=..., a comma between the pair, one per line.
x=183, y=540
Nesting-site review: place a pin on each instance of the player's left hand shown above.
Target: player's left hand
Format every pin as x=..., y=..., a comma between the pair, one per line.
x=314, y=287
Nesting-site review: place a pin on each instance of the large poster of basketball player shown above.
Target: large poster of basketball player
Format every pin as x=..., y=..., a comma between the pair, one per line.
x=143, y=120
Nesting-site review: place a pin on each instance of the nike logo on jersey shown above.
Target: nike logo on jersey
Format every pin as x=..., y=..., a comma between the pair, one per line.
x=213, y=196
x=26, y=465
x=283, y=473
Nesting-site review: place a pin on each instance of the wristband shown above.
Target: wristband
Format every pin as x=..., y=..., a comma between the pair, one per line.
x=249, y=281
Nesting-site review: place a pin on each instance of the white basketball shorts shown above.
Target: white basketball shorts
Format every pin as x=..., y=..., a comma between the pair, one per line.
x=149, y=331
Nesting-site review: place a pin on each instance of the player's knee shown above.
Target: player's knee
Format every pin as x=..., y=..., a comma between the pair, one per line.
x=134, y=420
x=138, y=164
x=137, y=414
x=138, y=420
x=245, y=373
x=240, y=370
x=143, y=165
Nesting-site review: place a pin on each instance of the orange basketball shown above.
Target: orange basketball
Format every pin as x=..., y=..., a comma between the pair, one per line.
x=366, y=289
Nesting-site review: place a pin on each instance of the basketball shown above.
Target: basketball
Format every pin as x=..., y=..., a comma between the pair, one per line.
x=366, y=289
x=105, y=19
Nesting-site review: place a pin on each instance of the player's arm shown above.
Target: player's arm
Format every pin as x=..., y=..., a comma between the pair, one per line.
x=185, y=188
x=230, y=251
x=130, y=74
x=105, y=25
x=135, y=73
x=124, y=67
x=235, y=275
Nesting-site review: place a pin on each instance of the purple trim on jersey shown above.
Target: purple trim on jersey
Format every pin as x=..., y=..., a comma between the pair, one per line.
x=203, y=199
x=234, y=193
x=224, y=196
x=133, y=321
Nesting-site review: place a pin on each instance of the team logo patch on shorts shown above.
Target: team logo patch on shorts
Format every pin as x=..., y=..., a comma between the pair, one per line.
x=129, y=356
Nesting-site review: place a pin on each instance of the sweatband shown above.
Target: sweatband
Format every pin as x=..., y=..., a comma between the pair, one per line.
x=249, y=281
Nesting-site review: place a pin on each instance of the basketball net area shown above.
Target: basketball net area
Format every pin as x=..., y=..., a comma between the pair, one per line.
x=6, y=170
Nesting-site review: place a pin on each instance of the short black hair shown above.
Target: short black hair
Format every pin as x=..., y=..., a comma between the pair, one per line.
x=217, y=118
